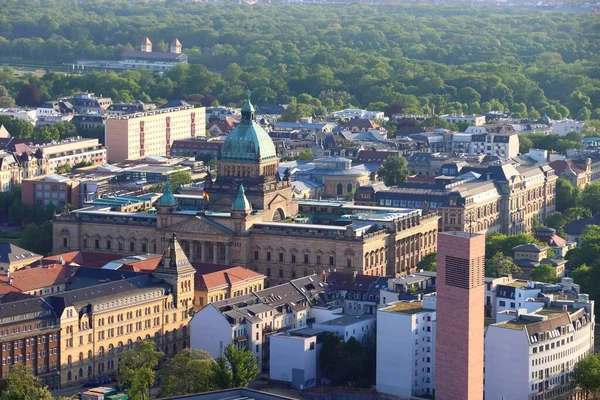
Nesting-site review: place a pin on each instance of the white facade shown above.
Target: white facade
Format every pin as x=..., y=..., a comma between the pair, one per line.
x=247, y=327
x=531, y=356
x=351, y=113
x=564, y=126
x=348, y=326
x=20, y=113
x=406, y=348
x=294, y=358
x=476, y=120
x=212, y=340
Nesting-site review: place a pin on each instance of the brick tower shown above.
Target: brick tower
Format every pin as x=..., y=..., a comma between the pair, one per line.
x=460, y=316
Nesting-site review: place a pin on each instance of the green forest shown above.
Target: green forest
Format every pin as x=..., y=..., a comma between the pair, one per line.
x=412, y=58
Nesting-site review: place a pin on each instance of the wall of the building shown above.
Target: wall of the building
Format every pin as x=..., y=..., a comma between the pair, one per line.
x=212, y=340
x=292, y=352
x=122, y=134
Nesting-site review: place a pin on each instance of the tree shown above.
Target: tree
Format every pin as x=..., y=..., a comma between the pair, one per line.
x=221, y=373
x=305, y=155
x=566, y=195
x=590, y=197
x=575, y=213
x=21, y=384
x=179, y=178
x=136, y=369
x=394, y=170
x=586, y=375
x=188, y=372
x=330, y=344
x=428, y=263
x=555, y=220
x=235, y=365
x=524, y=144
x=37, y=238
x=18, y=128
x=46, y=132
x=7, y=102
x=543, y=273
x=501, y=243
x=499, y=265
x=28, y=96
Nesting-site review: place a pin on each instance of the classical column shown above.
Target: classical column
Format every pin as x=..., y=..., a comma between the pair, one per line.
x=228, y=253
x=192, y=250
x=215, y=255
x=204, y=250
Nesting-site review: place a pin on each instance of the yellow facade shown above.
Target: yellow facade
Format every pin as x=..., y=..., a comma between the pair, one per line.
x=118, y=314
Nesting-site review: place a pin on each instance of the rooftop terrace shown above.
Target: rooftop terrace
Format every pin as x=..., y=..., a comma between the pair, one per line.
x=405, y=307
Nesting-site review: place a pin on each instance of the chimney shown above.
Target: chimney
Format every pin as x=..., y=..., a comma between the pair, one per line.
x=565, y=308
x=10, y=280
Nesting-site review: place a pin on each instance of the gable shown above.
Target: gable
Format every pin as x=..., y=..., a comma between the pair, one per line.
x=200, y=225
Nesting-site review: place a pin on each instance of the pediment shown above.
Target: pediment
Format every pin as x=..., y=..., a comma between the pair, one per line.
x=201, y=225
x=277, y=200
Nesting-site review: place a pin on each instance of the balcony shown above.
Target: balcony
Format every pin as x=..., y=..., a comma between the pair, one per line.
x=241, y=338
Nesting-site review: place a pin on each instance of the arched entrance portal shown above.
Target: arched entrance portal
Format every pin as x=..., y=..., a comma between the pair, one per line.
x=279, y=215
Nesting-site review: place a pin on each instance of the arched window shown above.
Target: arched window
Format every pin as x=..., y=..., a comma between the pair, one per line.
x=349, y=188
x=120, y=347
x=80, y=372
x=111, y=349
x=69, y=375
x=80, y=357
x=89, y=355
x=101, y=351
x=69, y=360
x=340, y=189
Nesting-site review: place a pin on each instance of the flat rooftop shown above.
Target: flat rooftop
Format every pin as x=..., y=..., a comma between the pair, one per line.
x=348, y=320
x=405, y=307
x=518, y=283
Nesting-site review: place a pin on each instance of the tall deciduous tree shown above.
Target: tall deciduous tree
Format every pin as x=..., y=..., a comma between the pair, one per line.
x=566, y=195
x=136, y=369
x=21, y=384
x=29, y=96
x=500, y=265
x=543, y=273
x=188, y=372
x=394, y=170
x=586, y=375
x=237, y=366
x=590, y=197
x=428, y=263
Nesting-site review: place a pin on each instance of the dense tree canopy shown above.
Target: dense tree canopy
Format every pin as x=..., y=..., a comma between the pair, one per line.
x=325, y=56
x=543, y=273
x=394, y=170
x=500, y=265
x=136, y=369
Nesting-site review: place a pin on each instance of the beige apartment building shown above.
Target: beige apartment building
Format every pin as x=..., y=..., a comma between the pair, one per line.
x=73, y=151
x=151, y=133
x=99, y=322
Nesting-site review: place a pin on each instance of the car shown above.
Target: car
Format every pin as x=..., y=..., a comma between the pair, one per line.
x=104, y=380
x=92, y=383
x=113, y=377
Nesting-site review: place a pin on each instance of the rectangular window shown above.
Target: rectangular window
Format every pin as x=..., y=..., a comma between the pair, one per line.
x=280, y=273
x=256, y=254
x=268, y=271
x=268, y=256
x=96, y=244
x=306, y=259
x=331, y=260
x=280, y=257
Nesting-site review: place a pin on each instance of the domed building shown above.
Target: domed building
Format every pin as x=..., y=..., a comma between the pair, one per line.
x=248, y=156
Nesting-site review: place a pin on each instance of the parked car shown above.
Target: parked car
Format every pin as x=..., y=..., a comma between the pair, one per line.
x=92, y=383
x=104, y=380
x=113, y=377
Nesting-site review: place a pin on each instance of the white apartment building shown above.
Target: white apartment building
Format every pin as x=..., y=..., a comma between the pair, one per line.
x=351, y=113
x=151, y=133
x=20, y=113
x=495, y=144
x=294, y=357
x=564, y=126
x=476, y=120
x=519, y=294
x=249, y=320
x=348, y=326
x=531, y=355
x=406, y=348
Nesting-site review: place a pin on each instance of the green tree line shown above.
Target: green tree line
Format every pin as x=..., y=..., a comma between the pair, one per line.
x=415, y=58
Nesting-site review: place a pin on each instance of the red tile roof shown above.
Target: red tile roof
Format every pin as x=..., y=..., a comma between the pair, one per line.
x=360, y=124
x=559, y=166
x=27, y=279
x=228, y=277
x=84, y=258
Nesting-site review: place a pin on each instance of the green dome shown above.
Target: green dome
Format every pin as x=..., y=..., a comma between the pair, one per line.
x=248, y=141
x=167, y=198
